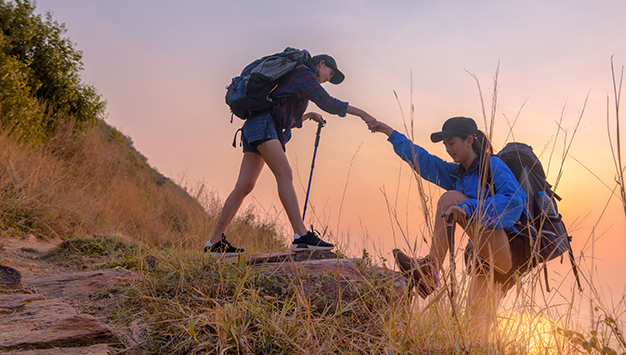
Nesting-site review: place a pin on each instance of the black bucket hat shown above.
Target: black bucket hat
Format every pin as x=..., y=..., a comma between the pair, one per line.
x=455, y=126
x=330, y=62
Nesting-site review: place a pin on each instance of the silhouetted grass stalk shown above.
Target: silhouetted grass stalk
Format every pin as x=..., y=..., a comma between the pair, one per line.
x=617, y=158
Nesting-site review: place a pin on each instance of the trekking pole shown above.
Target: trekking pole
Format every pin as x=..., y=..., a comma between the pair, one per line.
x=317, y=143
x=450, y=235
x=574, y=268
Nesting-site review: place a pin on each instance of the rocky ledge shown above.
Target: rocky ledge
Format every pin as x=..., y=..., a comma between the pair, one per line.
x=39, y=314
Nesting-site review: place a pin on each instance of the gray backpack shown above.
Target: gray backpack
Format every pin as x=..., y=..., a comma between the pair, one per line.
x=249, y=93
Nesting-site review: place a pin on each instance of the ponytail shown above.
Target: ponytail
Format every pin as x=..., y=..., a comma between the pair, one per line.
x=483, y=148
x=313, y=62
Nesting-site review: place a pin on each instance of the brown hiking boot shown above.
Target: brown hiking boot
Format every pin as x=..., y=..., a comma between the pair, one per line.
x=422, y=270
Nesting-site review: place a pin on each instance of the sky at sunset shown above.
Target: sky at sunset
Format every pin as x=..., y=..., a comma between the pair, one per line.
x=163, y=67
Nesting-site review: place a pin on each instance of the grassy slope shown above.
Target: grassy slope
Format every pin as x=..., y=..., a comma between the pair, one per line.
x=99, y=184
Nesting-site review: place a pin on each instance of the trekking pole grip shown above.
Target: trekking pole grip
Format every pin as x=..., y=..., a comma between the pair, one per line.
x=317, y=134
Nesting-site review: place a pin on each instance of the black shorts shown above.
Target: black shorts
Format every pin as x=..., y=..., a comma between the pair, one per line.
x=520, y=258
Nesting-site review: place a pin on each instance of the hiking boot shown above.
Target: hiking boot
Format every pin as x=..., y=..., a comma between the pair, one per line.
x=222, y=247
x=422, y=270
x=310, y=241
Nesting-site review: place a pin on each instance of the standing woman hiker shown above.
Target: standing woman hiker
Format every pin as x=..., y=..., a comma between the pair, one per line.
x=485, y=201
x=264, y=137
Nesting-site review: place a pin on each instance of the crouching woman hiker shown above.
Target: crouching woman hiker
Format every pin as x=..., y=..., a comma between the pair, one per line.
x=485, y=205
x=264, y=137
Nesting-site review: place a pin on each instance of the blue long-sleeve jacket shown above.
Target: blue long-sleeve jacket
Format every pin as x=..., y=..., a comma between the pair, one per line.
x=500, y=209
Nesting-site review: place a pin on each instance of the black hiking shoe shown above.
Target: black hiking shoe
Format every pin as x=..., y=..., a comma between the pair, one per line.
x=310, y=241
x=422, y=270
x=222, y=247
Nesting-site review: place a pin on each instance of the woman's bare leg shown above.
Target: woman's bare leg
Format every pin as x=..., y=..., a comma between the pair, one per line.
x=276, y=159
x=483, y=297
x=484, y=294
x=251, y=166
x=493, y=246
x=439, y=244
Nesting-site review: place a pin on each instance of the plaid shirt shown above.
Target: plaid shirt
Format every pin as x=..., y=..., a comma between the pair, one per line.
x=297, y=89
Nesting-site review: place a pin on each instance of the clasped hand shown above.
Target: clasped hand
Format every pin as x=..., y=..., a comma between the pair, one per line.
x=457, y=212
x=378, y=126
x=314, y=116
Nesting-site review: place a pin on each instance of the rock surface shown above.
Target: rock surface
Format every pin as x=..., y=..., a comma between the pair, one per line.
x=100, y=349
x=45, y=317
x=77, y=286
x=290, y=256
x=139, y=334
x=47, y=323
x=11, y=302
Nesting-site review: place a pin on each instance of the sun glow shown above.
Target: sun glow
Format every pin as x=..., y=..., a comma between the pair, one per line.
x=532, y=334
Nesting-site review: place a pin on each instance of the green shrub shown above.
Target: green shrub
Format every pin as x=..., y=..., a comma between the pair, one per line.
x=19, y=111
x=39, y=64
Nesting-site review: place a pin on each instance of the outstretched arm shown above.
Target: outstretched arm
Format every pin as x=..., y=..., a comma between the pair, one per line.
x=430, y=167
x=358, y=112
x=310, y=88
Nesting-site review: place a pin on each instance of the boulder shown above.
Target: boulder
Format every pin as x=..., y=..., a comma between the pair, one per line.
x=327, y=279
x=30, y=238
x=47, y=323
x=324, y=273
x=9, y=277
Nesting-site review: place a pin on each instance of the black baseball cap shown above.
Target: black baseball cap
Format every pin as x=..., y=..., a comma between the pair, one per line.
x=453, y=127
x=330, y=62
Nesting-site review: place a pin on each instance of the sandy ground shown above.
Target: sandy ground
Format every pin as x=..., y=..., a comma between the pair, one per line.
x=25, y=255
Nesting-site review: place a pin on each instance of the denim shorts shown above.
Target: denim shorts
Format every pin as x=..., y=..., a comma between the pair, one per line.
x=257, y=130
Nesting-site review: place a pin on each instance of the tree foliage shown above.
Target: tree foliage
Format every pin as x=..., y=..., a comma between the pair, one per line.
x=40, y=68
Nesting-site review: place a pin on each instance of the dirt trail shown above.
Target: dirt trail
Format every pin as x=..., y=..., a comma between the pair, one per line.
x=24, y=254
x=51, y=311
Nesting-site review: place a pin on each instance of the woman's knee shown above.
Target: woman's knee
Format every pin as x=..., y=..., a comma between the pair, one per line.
x=502, y=251
x=245, y=187
x=283, y=175
x=449, y=199
x=496, y=253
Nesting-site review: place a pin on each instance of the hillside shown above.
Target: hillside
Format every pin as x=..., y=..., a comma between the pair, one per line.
x=97, y=183
x=64, y=172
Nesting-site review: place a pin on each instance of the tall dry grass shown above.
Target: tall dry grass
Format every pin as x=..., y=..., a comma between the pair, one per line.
x=195, y=304
x=200, y=305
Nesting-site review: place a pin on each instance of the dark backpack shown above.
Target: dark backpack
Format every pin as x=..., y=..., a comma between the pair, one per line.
x=543, y=224
x=249, y=93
